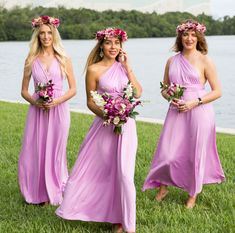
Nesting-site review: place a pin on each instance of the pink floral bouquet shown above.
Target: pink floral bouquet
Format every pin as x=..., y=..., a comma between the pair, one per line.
x=45, y=92
x=173, y=90
x=117, y=110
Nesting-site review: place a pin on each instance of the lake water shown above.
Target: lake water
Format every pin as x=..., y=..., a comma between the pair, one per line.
x=147, y=56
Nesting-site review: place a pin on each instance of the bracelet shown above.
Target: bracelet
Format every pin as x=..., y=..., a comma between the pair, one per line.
x=199, y=101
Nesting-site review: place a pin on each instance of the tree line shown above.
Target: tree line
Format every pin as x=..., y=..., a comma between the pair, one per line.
x=15, y=23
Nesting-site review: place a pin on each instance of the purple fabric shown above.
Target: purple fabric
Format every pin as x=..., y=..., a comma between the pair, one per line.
x=186, y=155
x=42, y=164
x=101, y=186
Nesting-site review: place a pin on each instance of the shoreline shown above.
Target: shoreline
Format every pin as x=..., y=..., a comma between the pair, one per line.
x=142, y=119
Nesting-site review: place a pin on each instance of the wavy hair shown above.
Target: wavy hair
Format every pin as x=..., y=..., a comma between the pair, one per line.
x=36, y=49
x=201, y=41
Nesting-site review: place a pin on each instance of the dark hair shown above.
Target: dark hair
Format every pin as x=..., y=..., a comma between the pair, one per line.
x=201, y=41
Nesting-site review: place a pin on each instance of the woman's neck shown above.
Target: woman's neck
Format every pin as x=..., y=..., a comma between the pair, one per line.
x=47, y=52
x=189, y=52
x=108, y=62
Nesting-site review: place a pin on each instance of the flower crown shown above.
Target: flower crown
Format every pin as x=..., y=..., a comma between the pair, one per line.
x=191, y=25
x=44, y=19
x=111, y=32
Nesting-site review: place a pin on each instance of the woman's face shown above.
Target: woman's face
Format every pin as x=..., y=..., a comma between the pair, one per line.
x=45, y=36
x=189, y=40
x=111, y=47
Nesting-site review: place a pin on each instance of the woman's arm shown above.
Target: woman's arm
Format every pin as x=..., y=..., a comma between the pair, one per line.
x=211, y=75
x=91, y=85
x=130, y=74
x=166, y=79
x=25, y=88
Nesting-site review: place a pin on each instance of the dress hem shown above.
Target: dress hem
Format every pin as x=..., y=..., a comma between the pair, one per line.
x=88, y=219
x=156, y=184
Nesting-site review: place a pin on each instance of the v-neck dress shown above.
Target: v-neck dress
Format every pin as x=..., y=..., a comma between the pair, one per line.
x=42, y=163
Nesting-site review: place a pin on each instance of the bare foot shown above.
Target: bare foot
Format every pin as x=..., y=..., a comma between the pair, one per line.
x=162, y=193
x=44, y=203
x=191, y=202
x=118, y=228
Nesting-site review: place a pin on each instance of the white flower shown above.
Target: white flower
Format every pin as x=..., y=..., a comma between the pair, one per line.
x=129, y=91
x=98, y=99
x=123, y=106
x=116, y=120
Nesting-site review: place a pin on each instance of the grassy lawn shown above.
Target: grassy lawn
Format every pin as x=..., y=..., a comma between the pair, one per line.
x=214, y=213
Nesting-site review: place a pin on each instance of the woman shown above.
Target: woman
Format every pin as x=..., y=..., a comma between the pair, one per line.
x=186, y=156
x=101, y=186
x=42, y=164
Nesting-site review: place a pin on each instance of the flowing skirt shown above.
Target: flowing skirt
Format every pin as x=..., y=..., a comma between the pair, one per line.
x=101, y=186
x=42, y=163
x=186, y=155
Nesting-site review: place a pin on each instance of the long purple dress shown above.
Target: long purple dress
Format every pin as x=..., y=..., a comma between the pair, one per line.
x=101, y=186
x=186, y=155
x=42, y=164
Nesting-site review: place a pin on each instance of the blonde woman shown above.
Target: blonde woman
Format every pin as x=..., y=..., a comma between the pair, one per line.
x=42, y=164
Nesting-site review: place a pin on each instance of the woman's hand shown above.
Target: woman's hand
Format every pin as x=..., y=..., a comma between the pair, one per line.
x=165, y=95
x=123, y=59
x=38, y=104
x=50, y=105
x=184, y=106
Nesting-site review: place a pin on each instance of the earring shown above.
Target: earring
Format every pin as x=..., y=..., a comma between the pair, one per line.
x=101, y=52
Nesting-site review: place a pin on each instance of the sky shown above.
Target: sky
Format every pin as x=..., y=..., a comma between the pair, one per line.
x=218, y=8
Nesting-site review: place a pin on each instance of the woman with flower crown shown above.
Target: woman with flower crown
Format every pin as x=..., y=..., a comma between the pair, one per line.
x=101, y=186
x=186, y=155
x=42, y=163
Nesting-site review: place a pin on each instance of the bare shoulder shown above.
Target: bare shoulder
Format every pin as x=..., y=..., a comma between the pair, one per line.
x=93, y=68
x=68, y=61
x=169, y=60
x=207, y=61
x=93, y=72
x=96, y=69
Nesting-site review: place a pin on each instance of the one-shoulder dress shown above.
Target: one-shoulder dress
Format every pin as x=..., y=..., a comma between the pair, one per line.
x=101, y=186
x=186, y=154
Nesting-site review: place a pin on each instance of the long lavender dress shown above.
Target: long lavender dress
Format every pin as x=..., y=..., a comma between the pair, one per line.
x=186, y=155
x=101, y=186
x=42, y=164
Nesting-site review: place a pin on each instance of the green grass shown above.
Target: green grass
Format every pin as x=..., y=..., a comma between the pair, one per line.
x=214, y=213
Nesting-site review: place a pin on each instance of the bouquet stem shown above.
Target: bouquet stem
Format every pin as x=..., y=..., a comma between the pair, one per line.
x=117, y=130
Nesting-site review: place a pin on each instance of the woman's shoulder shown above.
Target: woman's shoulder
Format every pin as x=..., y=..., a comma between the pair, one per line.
x=93, y=71
x=93, y=68
x=205, y=59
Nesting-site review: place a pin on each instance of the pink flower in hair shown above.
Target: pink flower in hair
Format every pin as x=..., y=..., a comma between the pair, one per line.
x=111, y=32
x=45, y=19
x=191, y=25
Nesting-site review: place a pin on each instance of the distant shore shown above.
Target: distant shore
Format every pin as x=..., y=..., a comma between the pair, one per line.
x=143, y=119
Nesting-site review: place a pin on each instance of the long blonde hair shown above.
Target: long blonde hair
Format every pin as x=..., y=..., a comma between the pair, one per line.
x=36, y=49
